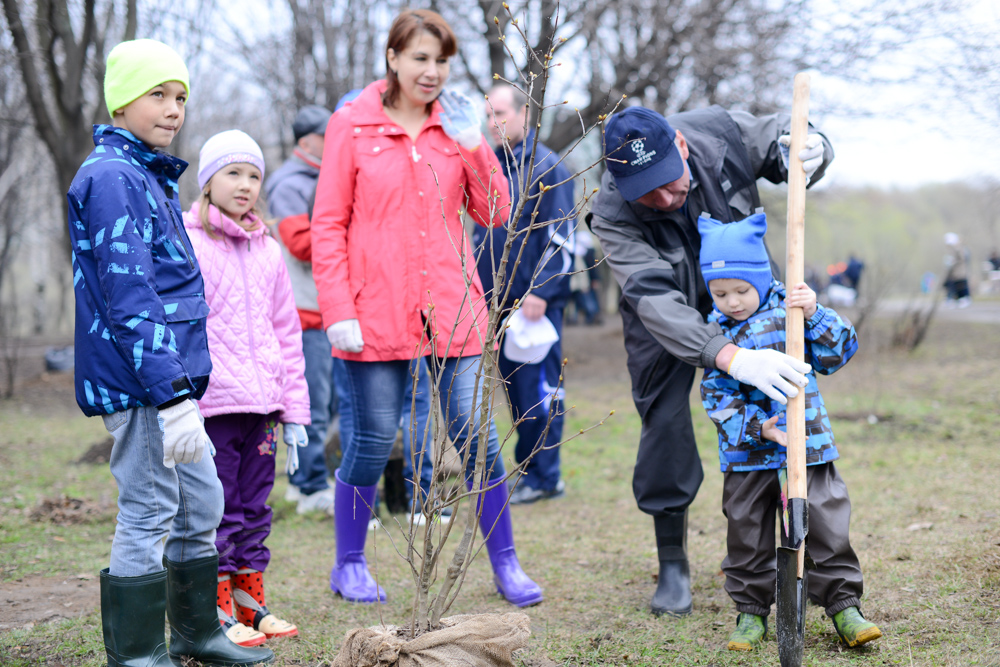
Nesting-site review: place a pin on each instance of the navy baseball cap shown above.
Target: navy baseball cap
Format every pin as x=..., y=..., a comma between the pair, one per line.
x=640, y=152
x=310, y=119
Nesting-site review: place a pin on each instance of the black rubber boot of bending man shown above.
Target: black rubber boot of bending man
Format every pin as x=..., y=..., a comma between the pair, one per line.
x=673, y=588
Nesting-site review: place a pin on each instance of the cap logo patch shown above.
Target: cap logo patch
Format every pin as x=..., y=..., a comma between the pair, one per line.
x=719, y=264
x=641, y=156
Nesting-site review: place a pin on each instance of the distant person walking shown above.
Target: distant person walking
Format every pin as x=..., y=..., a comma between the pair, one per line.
x=956, y=280
x=537, y=278
x=258, y=373
x=396, y=280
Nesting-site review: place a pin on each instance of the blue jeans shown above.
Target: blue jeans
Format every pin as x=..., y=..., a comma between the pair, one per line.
x=183, y=504
x=416, y=414
x=312, y=473
x=345, y=407
x=377, y=389
x=536, y=397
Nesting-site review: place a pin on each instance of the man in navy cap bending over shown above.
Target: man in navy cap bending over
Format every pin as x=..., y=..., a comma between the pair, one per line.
x=661, y=174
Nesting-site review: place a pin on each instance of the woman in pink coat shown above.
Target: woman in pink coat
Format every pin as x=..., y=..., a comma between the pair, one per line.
x=258, y=372
x=397, y=279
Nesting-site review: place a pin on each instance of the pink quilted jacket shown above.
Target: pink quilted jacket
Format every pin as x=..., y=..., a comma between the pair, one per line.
x=254, y=335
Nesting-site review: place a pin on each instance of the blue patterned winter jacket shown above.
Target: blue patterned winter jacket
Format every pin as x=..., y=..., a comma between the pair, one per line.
x=140, y=299
x=739, y=410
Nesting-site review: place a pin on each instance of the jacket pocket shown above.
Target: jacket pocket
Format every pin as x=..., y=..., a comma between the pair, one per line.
x=187, y=320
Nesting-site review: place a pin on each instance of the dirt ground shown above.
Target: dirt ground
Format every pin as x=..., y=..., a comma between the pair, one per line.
x=596, y=357
x=33, y=600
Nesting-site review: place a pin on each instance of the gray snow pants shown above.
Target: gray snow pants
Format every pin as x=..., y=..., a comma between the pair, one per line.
x=752, y=502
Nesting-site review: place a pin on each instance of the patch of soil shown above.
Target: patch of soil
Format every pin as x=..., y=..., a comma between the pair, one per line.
x=36, y=599
x=99, y=452
x=66, y=511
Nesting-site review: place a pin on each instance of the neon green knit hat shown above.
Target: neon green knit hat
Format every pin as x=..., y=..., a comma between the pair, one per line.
x=138, y=66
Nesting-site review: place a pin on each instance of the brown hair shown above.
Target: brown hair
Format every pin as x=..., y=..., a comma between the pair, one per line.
x=406, y=26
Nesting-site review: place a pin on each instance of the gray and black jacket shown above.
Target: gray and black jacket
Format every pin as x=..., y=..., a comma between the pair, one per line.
x=654, y=255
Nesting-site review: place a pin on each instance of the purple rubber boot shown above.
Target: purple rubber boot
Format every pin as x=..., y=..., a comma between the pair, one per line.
x=511, y=581
x=349, y=576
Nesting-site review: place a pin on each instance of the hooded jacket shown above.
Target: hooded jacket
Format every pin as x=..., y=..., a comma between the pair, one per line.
x=654, y=255
x=388, y=245
x=738, y=410
x=140, y=304
x=253, y=330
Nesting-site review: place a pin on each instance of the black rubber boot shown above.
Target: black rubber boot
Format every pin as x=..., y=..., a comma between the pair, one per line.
x=673, y=589
x=194, y=622
x=132, y=617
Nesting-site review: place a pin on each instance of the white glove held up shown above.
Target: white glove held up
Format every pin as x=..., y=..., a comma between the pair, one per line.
x=346, y=336
x=460, y=120
x=811, y=155
x=184, y=437
x=294, y=436
x=769, y=371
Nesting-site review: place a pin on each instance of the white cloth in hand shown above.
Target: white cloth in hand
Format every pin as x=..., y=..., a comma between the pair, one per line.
x=770, y=371
x=346, y=336
x=811, y=155
x=459, y=119
x=184, y=437
x=294, y=436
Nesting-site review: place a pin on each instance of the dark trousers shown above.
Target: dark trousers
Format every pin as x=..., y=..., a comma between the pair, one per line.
x=751, y=501
x=535, y=395
x=245, y=446
x=668, y=470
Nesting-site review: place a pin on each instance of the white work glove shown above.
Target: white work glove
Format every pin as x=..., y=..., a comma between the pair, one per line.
x=346, y=336
x=769, y=371
x=459, y=119
x=811, y=155
x=294, y=436
x=184, y=437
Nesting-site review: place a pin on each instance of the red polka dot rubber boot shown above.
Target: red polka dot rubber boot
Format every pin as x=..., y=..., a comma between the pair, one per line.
x=236, y=631
x=248, y=591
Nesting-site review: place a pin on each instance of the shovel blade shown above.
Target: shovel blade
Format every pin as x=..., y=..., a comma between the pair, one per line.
x=791, y=614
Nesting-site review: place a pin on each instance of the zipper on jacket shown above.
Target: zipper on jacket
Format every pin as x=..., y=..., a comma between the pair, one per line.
x=246, y=307
x=180, y=236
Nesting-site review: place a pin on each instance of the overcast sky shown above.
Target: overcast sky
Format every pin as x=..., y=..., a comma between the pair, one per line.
x=903, y=147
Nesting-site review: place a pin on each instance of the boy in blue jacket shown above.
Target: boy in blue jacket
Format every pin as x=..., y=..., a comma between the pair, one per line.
x=141, y=362
x=750, y=308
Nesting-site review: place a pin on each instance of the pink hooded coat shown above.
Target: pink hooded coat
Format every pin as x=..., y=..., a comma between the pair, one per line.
x=254, y=335
x=388, y=245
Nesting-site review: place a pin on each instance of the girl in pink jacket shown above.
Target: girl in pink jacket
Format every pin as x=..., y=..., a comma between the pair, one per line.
x=258, y=372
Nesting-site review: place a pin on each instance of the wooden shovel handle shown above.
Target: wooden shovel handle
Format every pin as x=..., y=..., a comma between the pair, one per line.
x=794, y=272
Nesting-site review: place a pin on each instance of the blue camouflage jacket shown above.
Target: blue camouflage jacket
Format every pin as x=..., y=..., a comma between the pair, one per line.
x=739, y=410
x=140, y=299
x=546, y=256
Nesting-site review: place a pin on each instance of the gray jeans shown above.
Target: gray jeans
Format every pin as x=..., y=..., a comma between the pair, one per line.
x=161, y=511
x=751, y=501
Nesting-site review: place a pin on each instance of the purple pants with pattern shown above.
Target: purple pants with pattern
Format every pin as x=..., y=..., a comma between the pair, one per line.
x=245, y=446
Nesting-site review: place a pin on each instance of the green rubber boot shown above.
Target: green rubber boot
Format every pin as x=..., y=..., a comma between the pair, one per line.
x=750, y=632
x=194, y=620
x=853, y=629
x=132, y=619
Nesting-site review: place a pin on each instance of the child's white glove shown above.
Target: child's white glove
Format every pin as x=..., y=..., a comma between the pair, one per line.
x=346, y=336
x=460, y=120
x=811, y=155
x=294, y=436
x=769, y=371
x=184, y=437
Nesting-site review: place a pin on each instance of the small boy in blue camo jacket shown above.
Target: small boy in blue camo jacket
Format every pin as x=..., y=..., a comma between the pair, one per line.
x=750, y=308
